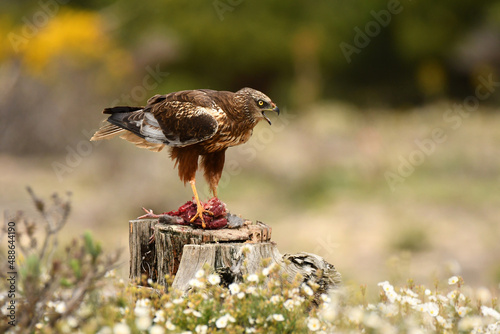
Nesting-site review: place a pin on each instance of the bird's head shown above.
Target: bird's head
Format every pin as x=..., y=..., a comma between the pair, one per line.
x=257, y=103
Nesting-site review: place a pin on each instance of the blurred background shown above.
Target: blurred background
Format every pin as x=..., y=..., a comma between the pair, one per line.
x=385, y=160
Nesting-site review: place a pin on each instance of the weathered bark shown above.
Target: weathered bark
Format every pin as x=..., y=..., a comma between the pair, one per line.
x=142, y=251
x=231, y=265
x=180, y=251
x=171, y=239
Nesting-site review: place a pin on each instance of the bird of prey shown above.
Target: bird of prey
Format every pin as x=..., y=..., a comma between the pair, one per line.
x=193, y=123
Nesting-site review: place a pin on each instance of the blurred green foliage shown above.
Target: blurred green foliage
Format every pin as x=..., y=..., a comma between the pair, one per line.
x=277, y=45
x=65, y=58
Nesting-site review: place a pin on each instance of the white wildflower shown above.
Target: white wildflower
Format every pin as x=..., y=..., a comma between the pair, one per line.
x=197, y=314
x=145, y=302
x=156, y=329
x=60, y=307
x=388, y=310
x=427, y=292
x=221, y=322
x=410, y=293
x=143, y=322
x=170, y=304
x=250, y=330
x=462, y=311
x=105, y=330
x=494, y=328
x=201, y=329
x=298, y=300
x=72, y=322
x=453, y=280
x=442, y=299
x=288, y=304
x=393, y=296
x=110, y=273
x=324, y=297
x=278, y=317
x=169, y=325
x=214, y=279
x=386, y=286
x=150, y=281
x=121, y=329
x=187, y=311
x=410, y=300
x=432, y=309
x=307, y=290
x=252, y=290
x=488, y=311
x=421, y=307
x=442, y=321
x=452, y=295
x=200, y=273
x=294, y=292
x=275, y=299
x=141, y=311
x=253, y=278
x=196, y=283
x=159, y=316
x=240, y=295
x=313, y=324
x=234, y=288
x=268, y=269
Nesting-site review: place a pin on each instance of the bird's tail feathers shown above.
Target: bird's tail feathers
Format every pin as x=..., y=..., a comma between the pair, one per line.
x=120, y=109
x=107, y=131
x=141, y=142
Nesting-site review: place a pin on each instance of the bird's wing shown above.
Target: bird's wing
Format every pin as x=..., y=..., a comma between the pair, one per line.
x=181, y=118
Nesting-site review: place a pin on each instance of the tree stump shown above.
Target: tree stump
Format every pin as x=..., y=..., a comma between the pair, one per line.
x=171, y=239
x=180, y=251
x=142, y=251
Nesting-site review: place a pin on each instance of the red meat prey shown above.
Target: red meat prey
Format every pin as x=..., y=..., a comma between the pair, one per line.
x=214, y=205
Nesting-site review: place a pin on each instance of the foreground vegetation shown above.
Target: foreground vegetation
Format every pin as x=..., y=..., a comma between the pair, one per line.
x=75, y=289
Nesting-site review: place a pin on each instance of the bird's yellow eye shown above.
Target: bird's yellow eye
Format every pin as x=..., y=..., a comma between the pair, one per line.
x=261, y=103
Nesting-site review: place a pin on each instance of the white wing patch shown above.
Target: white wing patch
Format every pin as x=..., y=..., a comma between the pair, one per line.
x=151, y=130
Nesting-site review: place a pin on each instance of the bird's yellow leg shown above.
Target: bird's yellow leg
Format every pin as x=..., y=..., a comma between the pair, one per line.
x=199, y=207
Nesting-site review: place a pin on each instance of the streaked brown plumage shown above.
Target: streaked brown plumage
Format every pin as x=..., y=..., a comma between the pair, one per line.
x=192, y=123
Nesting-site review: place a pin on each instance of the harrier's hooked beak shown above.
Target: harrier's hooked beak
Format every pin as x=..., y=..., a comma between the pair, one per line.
x=275, y=109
